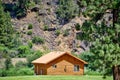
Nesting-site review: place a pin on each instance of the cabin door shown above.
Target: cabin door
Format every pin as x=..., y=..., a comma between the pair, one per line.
x=41, y=72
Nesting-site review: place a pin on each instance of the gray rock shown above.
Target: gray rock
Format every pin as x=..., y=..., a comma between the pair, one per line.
x=42, y=12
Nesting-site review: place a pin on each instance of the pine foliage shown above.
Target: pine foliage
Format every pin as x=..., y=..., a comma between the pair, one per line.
x=104, y=40
x=6, y=29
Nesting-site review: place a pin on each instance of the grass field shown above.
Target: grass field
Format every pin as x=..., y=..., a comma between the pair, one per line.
x=49, y=77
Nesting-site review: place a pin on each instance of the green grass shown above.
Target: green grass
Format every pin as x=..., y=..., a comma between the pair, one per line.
x=49, y=77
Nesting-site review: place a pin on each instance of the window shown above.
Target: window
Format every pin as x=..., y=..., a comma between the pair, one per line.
x=54, y=66
x=76, y=68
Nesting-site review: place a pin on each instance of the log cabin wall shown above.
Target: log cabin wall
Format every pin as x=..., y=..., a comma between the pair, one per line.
x=40, y=69
x=64, y=65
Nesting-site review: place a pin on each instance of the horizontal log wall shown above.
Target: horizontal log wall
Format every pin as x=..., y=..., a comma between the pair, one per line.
x=40, y=67
x=65, y=66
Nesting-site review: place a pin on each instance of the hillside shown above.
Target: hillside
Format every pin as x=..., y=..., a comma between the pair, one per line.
x=46, y=16
x=60, y=35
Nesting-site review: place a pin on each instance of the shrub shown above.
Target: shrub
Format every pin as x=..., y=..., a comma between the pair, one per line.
x=31, y=4
x=30, y=44
x=57, y=32
x=16, y=72
x=23, y=51
x=8, y=63
x=30, y=26
x=67, y=9
x=38, y=40
x=78, y=37
x=25, y=71
x=29, y=32
x=66, y=32
x=21, y=13
x=20, y=64
x=59, y=42
x=46, y=27
x=77, y=26
x=39, y=20
x=3, y=73
x=32, y=57
x=37, y=1
x=11, y=72
x=90, y=72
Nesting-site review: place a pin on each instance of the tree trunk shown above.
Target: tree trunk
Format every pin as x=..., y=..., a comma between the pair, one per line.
x=115, y=16
x=116, y=72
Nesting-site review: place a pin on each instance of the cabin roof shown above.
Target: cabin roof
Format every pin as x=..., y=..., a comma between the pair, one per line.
x=52, y=56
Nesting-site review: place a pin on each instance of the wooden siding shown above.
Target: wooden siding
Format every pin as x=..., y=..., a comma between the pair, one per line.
x=64, y=66
x=40, y=67
x=62, y=63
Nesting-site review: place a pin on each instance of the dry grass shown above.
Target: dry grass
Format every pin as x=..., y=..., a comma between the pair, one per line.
x=14, y=61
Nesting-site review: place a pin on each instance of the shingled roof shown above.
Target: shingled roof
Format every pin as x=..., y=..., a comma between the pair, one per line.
x=52, y=56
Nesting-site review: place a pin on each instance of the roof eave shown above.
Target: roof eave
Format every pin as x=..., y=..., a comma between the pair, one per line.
x=77, y=58
x=37, y=63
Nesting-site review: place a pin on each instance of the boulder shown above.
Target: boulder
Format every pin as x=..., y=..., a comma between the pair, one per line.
x=42, y=12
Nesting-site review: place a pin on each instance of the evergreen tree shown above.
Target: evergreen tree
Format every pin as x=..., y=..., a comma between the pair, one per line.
x=104, y=51
x=67, y=9
x=8, y=38
x=22, y=6
x=104, y=40
x=8, y=63
x=6, y=29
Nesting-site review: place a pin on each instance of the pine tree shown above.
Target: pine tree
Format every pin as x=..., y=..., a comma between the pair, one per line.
x=105, y=41
x=6, y=29
x=67, y=9
x=22, y=6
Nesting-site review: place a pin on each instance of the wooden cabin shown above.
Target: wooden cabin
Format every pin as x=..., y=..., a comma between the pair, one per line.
x=59, y=63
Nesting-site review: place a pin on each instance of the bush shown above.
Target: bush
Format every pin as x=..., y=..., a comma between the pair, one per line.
x=16, y=72
x=77, y=26
x=46, y=27
x=67, y=9
x=66, y=32
x=29, y=32
x=90, y=72
x=30, y=26
x=30, y=44
x=38, y=40
x=59, y=42
x=11, y=72
x=31, y=4
x=25, y=71
x=78, y=37
x=24, y=51
x=37, y=1
x=32, y=57
x=21, y=13
x=8, y=63
x=57, y=32
x=3, y=73
x=20, y=64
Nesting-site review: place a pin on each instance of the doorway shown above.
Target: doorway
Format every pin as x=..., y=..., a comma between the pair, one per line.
x=41, y=71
